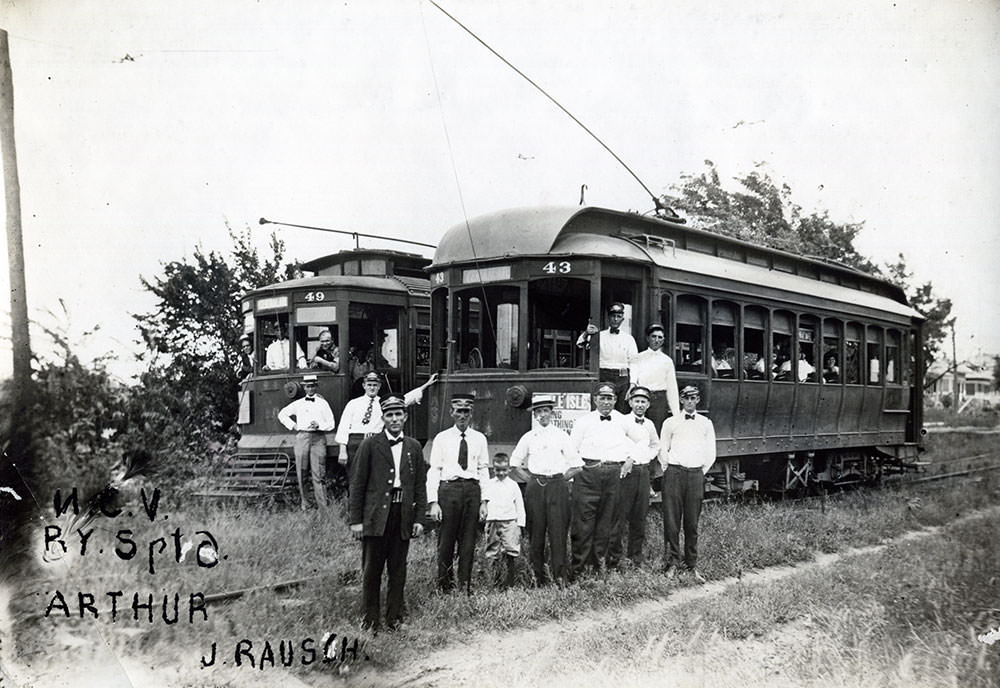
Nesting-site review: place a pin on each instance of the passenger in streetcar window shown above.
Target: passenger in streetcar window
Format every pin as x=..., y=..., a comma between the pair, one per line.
x=804, y=368
x=831, y=371
x=244, y=367
x=720, y=366
x=873, y=370
x=327, y=356
x=618, y=348
x=760, y=367
x=277, y=352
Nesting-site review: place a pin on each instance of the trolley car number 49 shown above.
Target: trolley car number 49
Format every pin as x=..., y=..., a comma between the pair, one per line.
x=553, y=267
x=315, y=296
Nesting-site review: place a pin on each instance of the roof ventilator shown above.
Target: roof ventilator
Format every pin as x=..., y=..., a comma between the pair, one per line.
x=652, y=241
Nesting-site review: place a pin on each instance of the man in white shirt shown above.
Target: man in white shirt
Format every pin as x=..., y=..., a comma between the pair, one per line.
x=276, y=355
x=633, y=500
x=503, y=509
x=687, y=452
x=459, y=466
x=617, y=347
x=655, y=371
x=311, y=418
x=601, y=440
x=361, y=418
x=544, y=458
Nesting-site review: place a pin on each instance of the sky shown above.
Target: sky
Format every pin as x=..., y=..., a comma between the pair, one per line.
x=144, y=128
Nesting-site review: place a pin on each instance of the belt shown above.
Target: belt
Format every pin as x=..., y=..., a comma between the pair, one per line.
x=543, y=476
x=462, y=480
x=683, y=468
x=396, y=496
x=362, y=435
x=620, y=372
x=594, y=463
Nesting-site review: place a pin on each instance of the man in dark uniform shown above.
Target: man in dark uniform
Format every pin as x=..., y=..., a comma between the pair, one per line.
x=388, y=500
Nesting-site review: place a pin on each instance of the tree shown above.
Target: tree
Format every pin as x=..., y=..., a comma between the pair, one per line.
x=996, y=372
x=189, y=391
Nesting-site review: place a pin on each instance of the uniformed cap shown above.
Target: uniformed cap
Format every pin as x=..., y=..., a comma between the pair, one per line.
x=542, y=401
x=309, y=378
x=638, y=391
x=393, y=404
x=245, y=338
x=462, y=400
x=605, y=388
x=373, y=377
x=617, y=307
x=655, y=327
x=690, y=391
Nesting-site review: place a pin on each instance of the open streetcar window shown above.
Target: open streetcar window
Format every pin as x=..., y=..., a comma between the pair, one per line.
x=755, y=365
x=892, y=341
x=559, y=309
x=723, y=339
x=807, y=340
x=852, y=354
x=689, y=335
x=831, y=352
x=874, y=355
x=317, y=334
x=373, y=345
x=487, y=328
x=274, y=348
x=781, y=345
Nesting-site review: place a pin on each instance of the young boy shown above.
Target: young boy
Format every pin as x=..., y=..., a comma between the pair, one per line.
x=503, y=511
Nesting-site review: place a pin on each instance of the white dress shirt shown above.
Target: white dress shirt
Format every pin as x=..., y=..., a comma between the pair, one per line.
x=397, y=457
x=545, y=451
x=353, y=416
x=444, y=459
x=647, y=440
x=688, y=442
x=655, y=371
x=504, y=501
x=277, y=355
x=602, y=440
x=301, y=412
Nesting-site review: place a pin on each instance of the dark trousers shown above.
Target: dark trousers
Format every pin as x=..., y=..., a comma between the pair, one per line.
x=658, y=409
x=381, y=552
x=633, y=507
x=595, y=496
x=546, y=503
x=621, y=383
x=459, y=502
x=683, y=491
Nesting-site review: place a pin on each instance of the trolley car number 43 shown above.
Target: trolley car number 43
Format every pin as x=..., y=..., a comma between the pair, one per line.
x=562, y=267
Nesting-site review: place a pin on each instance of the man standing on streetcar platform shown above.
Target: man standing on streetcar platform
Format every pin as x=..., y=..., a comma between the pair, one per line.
x=361, y=418
x=387, y=506
x=459, y=467
x=654, y=370
x=311, y=418
x=617, y=348
x=600, y=438
x=687, y=452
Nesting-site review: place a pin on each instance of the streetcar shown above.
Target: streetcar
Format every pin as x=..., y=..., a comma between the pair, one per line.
x=374, y=305
x=512, y=291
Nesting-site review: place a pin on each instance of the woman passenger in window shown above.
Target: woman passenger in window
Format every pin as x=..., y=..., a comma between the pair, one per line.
x=831, y=371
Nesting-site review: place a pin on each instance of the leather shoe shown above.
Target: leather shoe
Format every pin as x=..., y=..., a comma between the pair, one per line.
x=698, y=578
x=671, y=572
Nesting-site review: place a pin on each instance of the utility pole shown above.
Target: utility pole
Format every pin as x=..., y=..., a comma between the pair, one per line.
x=955, y=400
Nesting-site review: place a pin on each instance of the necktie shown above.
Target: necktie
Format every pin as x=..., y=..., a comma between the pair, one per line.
x=310, y=399
x=640, y=421
x=463, y=453
x=605, y=417
x=368, y=411
x=688, y=416
x=394, y=442
x=613, y=330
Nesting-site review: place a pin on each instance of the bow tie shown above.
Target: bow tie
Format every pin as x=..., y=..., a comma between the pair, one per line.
x=310, y=398
x=605, y=417
x=688, y=416
x=640, y=421
x=613, y=330
x=393, y=443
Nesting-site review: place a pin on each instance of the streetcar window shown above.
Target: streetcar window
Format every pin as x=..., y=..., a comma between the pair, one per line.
x=723, y=339
x=892, y=356
x=322, y=351
x=781, y=345
x=807, y=363
x=831, y=351
x=559, y=308
x=755, y=366
x=852, y=354
x=488, y=328
x=422, y=350
x=689, y=330
x=440, y=328
x=874, y=356
x=274, y=348
x=373, y=266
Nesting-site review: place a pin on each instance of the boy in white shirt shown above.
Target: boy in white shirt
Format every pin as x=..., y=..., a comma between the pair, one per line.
x=503, y=511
